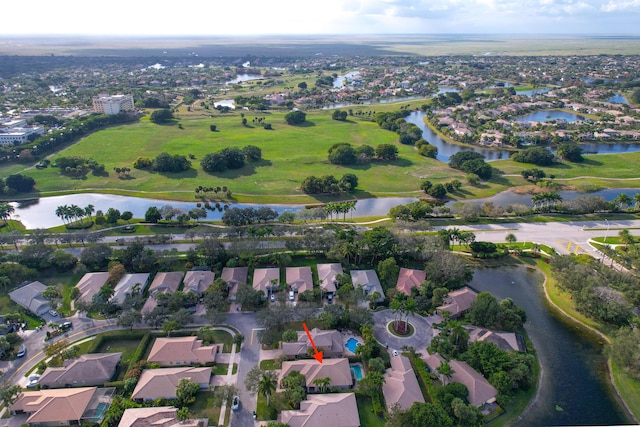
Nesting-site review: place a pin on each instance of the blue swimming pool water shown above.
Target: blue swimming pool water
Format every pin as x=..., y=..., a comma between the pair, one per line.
x=357, y=371
x=351, y=345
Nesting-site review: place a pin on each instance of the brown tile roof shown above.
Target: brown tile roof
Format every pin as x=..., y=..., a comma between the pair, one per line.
x=327, y=274
x=90, y=285
x=235, y=275
x=166, y=282
x=299, y=278
x=368, y=280
x=155, y=383
x=56, y=405
x=328, y=341
x=458, y=302
x=401, y=385
x=262, y=278
x=198, y=281
x=324, y=410
x=86, y=370
x=126, y=284
x=181, y=351
x=507, y=341
x=161, y=416
x=409, y=278
x=336, y=369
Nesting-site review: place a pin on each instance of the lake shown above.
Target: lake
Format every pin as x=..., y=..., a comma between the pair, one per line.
x=618, y=99
x=244, y=78
x=341, y=80
x=549, y=115
x=575, y=388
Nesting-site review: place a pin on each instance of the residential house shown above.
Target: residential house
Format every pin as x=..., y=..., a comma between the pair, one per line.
x=369, y=282
x=161, y=416
x=329, y=342
x=163, y=382
x=87, y=370
x=30, y=297
x=90, y=284
x=480, y=391
x=234, y=276
x=127, y=284
x=299, y=279
x=409, y=279
x=266, y=280
x=324, y=410
x=507, y=341
x=458, y=302
x=327, y=274
x=181, y=351
x=198, y=281
x=64, y=406
x=401, y=385
x=337, y=370
x=165, y=283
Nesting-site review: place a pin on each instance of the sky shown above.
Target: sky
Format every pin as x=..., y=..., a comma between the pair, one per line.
x=255, y=17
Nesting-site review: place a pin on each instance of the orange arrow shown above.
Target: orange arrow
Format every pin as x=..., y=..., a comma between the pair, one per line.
x=317, y=354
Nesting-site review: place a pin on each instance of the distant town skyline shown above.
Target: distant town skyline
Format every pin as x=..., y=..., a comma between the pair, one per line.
x=288, y=17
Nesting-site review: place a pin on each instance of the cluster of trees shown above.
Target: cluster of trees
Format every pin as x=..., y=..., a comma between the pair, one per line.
x=570, y=151
x=167, y=213
x=339, y=115
x=344, y=153
x=253, y=102
x=471, y=163
x=597, y=291
x=412, y=212
x=238, y=216
x=70, y=214
x=295, y=117
x=77, y=166
x=152, y=102
x=165, y=162
x=409, y=133
x=536, y=155
x=625, y=350
x=439, y=191
x=487, y=312
x=328, y=184
x=425, y=149
x=161, y=116
x=533, y=174
x=230, y=158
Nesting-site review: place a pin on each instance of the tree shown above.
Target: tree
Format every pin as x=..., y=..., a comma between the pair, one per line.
x=224, y=394
x=161, y=116
x=113, y=215
x=129, y=318
x=445, y=371
x=623, y=201
x=170, y=326
x=537, y=155
x=6, y=210
x=342, y=154
x=152, y=214
x=259, y=381
x=183, y=414
x=322, y=383
x=9, y=393
x=302, y=85
x=484, y=311
x=339, y=115
x=20, y=183
x=96, y=256
x=295, y=118
x=166, y=162
x=186, y=392
x=386, y=152
x=290, y=336
x=570, y=151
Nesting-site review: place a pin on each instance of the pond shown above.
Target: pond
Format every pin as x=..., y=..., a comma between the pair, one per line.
x=41, y=213
x=575, y=388
x=244, y=78
x=549, y=115
x=618, y=99
x=341, y=80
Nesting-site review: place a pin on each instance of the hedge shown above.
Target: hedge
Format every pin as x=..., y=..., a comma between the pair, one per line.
x=141, y=350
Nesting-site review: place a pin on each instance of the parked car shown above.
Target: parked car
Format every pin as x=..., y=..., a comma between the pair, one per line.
x=34, y=380
x=273, y=298
x=22, y=351
x=235, y=405
x=292, y=296
x=53, y=312
x=66, y=326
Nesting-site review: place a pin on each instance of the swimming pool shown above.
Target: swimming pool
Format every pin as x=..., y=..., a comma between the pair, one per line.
x=356, y=368
x=352, y=344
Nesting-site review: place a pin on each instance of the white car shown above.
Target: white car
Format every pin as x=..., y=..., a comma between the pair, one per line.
x=33, y=380
x=53, y=312
x=235, y=405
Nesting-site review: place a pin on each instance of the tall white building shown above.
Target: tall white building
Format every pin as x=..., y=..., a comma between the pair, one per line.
x=112, y=104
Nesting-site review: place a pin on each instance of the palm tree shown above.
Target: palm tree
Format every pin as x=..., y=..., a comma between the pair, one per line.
x=6, y=210
x=322, y=383
x=267, y=385
x=636, y=199
x=623, y=201
x=89, y=210
x=445, y=371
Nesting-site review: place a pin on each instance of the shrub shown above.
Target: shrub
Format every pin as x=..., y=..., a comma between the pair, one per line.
x=142, y=163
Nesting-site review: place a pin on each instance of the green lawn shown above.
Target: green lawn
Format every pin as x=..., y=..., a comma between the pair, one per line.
x=224, y=338
x=268, y=365
x=628, y=387
x=223, y=368
x=365, y=411
x=290, y=153
x=204, y=407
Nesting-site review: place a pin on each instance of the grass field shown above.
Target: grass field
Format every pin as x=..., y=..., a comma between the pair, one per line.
x=365, y=411
x=290, y=154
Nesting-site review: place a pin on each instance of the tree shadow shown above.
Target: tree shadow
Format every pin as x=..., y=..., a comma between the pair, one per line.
x=305, y=124
x=246, y=170
x=191, y=173
x=589, y=161
x=400, y=162
x=357, y=194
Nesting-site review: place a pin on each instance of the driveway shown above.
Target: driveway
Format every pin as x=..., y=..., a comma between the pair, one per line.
x=419, y=340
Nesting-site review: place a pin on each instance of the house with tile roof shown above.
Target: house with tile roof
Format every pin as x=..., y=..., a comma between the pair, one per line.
x=266, y=280
x=401, y=385
x=198, y=281
x=234, y=276
x=165, y=283
x=480, y=390
x=87, y=370
x=181, y=351
x=458, y=302
x=161, y=416
x=324, y=410
x=507, y=341
x=327, y=274
x=163, y=382
x=329, y=342
x=30, y=297
x=337, y=370
x=369, y=282
x=409, y=279
x=299, y=279
x=62, y=407
x=127, y=284
x=90, y=284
